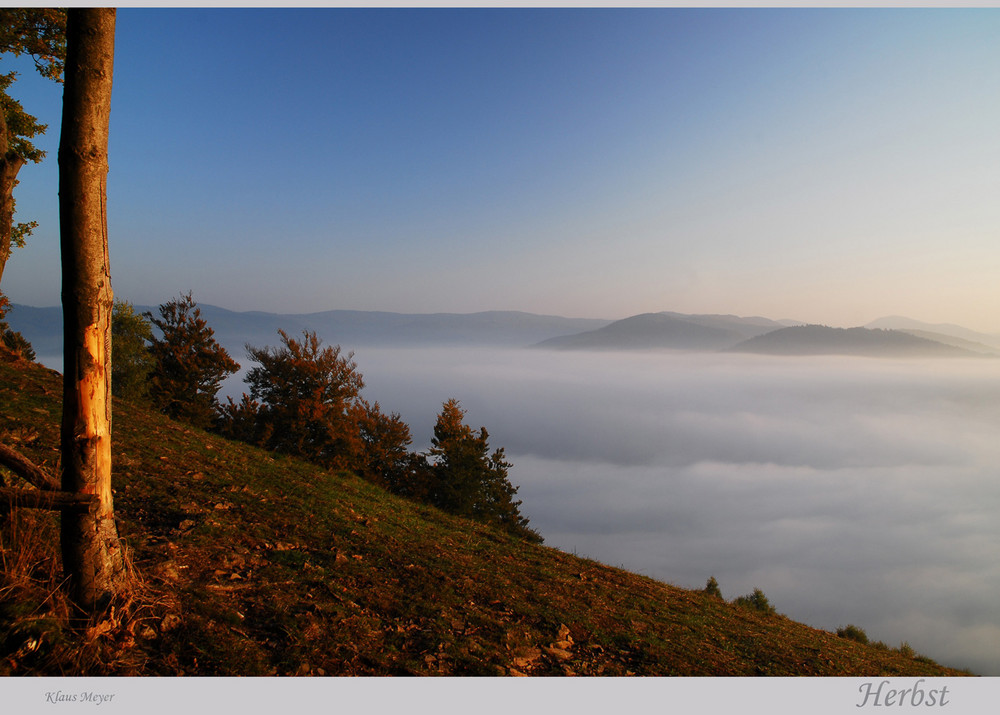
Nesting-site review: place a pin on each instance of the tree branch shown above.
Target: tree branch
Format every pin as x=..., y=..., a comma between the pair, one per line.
x=27, y=470
x=51, y=501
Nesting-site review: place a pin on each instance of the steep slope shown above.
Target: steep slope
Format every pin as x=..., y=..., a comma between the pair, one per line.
x=254, y=564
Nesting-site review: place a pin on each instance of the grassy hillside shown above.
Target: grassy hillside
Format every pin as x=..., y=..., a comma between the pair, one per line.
x=253, y=564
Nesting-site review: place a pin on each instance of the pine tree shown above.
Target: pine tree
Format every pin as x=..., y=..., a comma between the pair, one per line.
x=467, y=480
x=189, y=364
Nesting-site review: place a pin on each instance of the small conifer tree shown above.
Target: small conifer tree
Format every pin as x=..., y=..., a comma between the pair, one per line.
x=469, y=481
x=189, y=364
x=132, y=362
x=712, y=587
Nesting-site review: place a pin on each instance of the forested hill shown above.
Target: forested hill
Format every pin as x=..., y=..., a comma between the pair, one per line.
x=673, y=331
x=823, y=340
x=254, y=564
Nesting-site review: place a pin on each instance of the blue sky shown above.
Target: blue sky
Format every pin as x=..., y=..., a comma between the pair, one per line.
x=832, y=166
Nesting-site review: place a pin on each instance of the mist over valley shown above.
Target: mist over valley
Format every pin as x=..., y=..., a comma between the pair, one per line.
x=852, y=490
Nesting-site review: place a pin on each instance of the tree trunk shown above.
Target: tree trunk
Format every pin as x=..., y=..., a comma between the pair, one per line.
x=92, y=555
x=10, y=164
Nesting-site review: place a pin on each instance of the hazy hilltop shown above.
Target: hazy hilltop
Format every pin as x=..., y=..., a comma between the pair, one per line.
x=823, y=340
x=666, y=331
x=947, y=333
x=676, y=331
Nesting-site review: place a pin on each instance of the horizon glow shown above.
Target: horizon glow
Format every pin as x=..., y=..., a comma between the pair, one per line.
x=829, y=166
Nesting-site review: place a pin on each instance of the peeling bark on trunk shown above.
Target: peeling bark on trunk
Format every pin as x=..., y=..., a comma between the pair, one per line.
x=92, y=555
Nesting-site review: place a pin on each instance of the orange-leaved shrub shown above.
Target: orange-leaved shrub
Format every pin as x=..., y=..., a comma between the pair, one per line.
x=305, y=400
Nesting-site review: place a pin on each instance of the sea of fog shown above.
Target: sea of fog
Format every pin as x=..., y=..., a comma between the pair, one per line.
x=851, y=490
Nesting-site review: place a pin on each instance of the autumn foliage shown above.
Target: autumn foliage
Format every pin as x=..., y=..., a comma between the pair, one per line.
x=305, y=400
x=11, y=341
x=300, y=395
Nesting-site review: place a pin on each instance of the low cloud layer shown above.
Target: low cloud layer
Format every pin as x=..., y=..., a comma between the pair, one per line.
x=851, y=490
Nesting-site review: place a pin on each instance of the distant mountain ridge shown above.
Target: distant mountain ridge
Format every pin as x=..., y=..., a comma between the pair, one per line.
x=666, y=330
x=947, y=333
x=358, y=328
x=349, y=328
x=731, y=333
x=352, y=329
x=824, y=340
